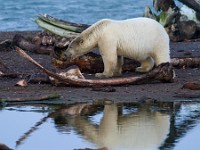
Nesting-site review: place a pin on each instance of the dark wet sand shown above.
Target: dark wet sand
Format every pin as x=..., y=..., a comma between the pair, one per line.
x=158, y=91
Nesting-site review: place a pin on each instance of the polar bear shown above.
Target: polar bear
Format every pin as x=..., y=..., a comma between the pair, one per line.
x=141, y=39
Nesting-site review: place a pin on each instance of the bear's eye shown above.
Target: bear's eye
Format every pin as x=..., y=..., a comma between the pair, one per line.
x=81, y=41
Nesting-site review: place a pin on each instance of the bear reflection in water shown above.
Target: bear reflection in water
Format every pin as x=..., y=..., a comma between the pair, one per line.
x=136, y=128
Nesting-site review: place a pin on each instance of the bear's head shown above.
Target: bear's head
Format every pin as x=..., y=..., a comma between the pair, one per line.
x=79, y=46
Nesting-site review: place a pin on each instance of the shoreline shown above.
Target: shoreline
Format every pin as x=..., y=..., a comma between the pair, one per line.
x=158, y=91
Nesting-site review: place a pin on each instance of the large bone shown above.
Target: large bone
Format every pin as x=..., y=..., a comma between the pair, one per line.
x=163, y=72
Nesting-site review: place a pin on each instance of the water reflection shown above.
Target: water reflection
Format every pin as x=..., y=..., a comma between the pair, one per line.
x=135, y=126
x=142, y=126
x=141, y=129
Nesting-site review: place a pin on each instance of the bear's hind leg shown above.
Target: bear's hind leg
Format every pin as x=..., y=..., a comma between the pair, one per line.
x=161, y=58
x=146, y=65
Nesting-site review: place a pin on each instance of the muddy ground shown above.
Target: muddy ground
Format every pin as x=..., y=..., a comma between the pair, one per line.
x=158, y=91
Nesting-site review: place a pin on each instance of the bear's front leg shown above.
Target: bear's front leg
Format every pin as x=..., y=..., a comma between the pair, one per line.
x=110, y=66
x=118, y=69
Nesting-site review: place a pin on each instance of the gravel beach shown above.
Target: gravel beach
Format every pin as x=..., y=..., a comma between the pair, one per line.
x=156, y=91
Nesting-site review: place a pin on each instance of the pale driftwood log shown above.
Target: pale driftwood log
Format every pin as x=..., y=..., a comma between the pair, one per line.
x=194, y=4
x=163, y=72
x=43, y=43
x=88, y=62
x=165, y=4
x=30, y=99
x=70, y=26
x=20, y=41
x=186, y=62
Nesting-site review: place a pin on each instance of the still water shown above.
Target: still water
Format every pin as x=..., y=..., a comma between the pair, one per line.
x=124, y=126
x=19, y=14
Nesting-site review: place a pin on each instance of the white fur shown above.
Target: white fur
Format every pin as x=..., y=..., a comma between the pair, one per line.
x=142, y=39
